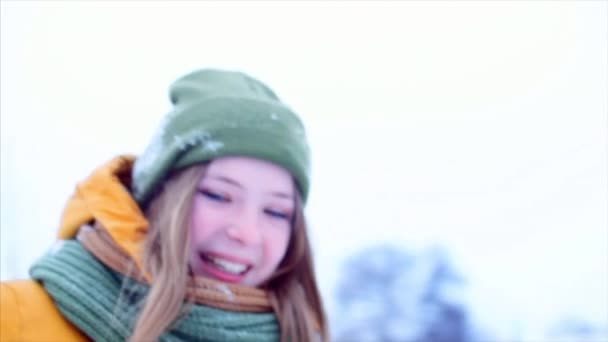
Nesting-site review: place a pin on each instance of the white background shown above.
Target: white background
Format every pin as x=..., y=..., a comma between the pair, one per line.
x=479, y=126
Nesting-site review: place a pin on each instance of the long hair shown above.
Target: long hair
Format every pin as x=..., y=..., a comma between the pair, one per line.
x=294, y=294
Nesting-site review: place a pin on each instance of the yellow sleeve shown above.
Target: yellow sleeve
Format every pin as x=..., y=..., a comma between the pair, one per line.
x=28, y=313
x=9, y=318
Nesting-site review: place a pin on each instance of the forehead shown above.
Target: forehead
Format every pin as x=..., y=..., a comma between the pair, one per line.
x=251, y=173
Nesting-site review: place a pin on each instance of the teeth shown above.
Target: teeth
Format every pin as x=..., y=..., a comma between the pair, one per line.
x=228, y=266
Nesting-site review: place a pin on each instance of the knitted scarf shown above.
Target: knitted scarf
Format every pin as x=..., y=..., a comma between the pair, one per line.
x=103, y=303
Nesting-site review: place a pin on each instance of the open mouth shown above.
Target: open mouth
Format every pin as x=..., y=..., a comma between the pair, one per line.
x=223, y=269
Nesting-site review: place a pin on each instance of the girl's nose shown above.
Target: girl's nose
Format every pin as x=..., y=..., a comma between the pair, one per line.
x=245, y=228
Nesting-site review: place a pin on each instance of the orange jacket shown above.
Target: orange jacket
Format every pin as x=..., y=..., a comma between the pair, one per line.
x=27, y=312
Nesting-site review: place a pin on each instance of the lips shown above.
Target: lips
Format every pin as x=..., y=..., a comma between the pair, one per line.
x=224, y=268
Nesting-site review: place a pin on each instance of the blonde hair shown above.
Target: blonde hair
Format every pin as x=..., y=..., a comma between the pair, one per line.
x=293, y=289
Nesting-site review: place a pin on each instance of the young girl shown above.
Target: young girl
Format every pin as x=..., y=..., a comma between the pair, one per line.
x=203, y=237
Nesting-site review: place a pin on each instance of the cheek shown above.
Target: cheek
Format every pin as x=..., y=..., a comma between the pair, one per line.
x=276, y=246
x=202, y=225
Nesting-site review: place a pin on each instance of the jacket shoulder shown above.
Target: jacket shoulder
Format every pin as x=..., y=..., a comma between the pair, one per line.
x=28, y=313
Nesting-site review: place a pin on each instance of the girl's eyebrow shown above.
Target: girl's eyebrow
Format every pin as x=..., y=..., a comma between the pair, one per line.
x=282, y=195
x=226, y=180
x=237, y=184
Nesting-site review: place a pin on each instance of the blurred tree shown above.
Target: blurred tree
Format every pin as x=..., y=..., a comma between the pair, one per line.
x=573, y=328
x=389, y=294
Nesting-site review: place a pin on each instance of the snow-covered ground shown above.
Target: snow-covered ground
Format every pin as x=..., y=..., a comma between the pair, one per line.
x=480, y=127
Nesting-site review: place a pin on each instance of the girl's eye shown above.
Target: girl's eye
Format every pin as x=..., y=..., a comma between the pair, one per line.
x=214, y=196
x=277, y=214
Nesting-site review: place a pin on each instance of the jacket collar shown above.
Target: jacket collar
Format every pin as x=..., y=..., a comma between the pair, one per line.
x=104, y=197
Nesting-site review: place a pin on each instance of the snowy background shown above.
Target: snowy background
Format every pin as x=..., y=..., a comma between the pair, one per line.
x=460, y=156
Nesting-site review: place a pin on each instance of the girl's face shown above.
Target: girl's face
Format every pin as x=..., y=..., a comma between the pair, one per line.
x=241, y=220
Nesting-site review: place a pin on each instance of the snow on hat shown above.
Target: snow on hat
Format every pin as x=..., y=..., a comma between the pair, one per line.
x=220, y=113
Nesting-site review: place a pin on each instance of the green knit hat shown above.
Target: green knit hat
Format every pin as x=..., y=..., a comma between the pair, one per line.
x=222, y=113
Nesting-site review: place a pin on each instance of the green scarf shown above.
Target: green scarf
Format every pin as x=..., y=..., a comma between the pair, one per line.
x=103, y=303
